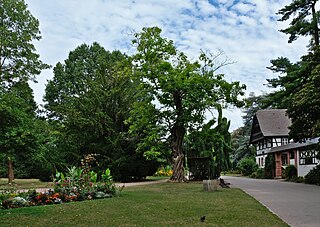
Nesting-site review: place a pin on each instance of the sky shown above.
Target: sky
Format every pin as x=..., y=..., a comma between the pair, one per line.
x=247, y=31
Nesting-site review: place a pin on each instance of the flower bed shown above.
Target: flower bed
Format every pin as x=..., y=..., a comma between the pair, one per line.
x=76, y=185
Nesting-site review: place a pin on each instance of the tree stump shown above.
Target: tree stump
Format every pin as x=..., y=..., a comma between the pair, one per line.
x=210, y=185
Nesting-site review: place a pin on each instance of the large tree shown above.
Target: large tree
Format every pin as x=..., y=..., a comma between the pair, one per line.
x=305, y=108
x=89, y=99
x=19, y=63
x=305, y=20
x=297, y=80
x=181, y=90
x=18, y=57
x=23, y=135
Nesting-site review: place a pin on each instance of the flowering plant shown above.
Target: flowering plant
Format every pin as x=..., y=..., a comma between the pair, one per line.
x=76, y=185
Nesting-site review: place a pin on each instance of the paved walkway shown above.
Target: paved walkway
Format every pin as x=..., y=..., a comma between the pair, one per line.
x=141, y=183
x=296, y=204
x=131, y=184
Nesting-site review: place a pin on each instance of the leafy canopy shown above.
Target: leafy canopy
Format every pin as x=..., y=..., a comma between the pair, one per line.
x=177, y=90
x=18, y=30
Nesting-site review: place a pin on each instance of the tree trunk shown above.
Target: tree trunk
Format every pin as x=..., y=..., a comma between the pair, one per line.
x=315, y=23
x=177, y=135
x=178, y=169
x=10, y=172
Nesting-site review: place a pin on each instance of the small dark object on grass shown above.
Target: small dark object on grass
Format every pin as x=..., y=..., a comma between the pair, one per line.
x=224, y=184
x=203, y=218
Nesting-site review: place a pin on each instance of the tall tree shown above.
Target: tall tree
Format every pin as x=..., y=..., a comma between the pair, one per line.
x=296, y=80
x=18, y=30
x=183, y=89
x=20, y=138
x=305, y=108
x=305, y=20
x=19, y=63
x=89, y=98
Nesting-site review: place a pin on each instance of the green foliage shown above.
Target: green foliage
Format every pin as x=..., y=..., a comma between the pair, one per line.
x=299, y=93
x=164, y=171
x=247, y=166
x=290, y=172
x=259, y=174
x=253, y=104
x=89, y=100
x=18, y=30
x=184, y=90
x=213, y=144
x=313, y=177
x=306, y=106
x=78, y=180
x=302, y=24
x=297, y=179
x=23, y=136
x=75, y=185
x=298, y=82
x=270, y=166
x=241, y=147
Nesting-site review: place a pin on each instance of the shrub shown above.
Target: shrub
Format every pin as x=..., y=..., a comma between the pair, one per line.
x=260, y=173
x=247, y=166
x=164, y=171
x=75, y=185
x=313, y=177
x=270, y=166
x=298, y=179
x=290, y=172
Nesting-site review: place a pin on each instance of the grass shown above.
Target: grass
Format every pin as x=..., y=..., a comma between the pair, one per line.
x=167, y=204
x=24, y=184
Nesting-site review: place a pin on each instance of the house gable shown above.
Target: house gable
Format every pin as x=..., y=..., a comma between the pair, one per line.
x=272, y=123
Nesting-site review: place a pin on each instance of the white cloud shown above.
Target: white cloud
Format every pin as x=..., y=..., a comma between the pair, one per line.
x=245, y=30
x=243, y=8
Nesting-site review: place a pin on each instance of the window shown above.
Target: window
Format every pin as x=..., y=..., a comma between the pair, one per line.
x=291, y=155
x=308, y=157
x=269, y=143
x=284, y=159
x=284, y=141
x=277, y=142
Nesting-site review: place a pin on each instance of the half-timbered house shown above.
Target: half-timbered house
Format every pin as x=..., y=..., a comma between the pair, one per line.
x=270, y=134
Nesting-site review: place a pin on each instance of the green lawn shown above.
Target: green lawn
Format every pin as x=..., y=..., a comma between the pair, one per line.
x=24, y=184
x=167, y=204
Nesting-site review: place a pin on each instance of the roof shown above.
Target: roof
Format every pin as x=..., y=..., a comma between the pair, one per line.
x=296, y=146
x=273, y=122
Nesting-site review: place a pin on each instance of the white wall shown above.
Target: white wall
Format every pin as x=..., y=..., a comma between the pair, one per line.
x=264, y=160
x=304, y=169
